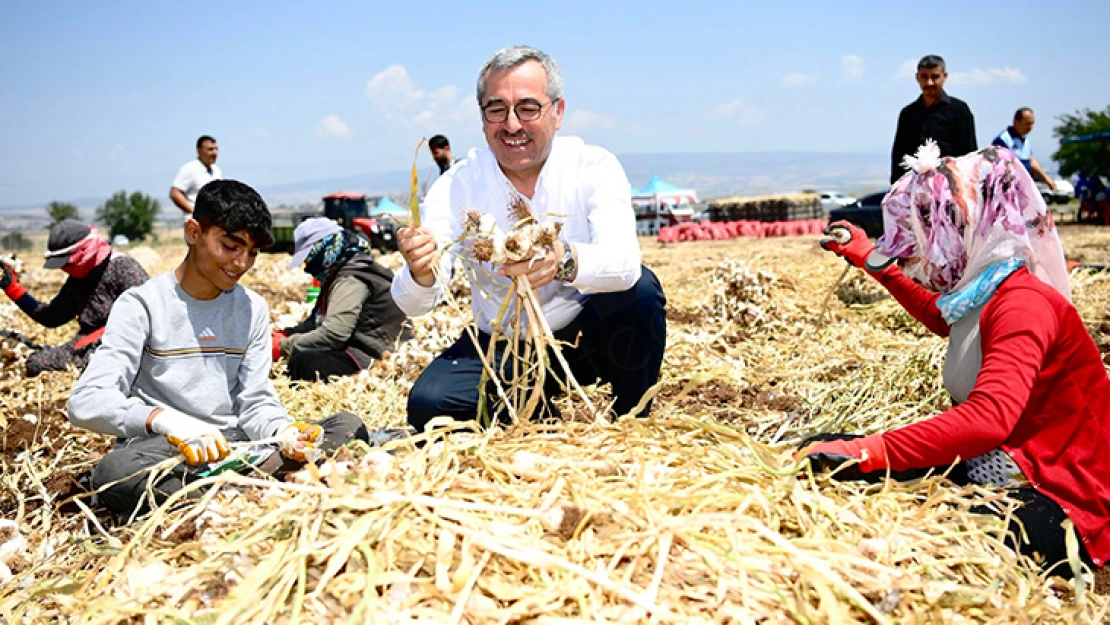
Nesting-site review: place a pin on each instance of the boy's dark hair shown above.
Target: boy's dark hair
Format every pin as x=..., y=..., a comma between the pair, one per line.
x=203, y=139
x=1018, y=114
x=438, y=142
x=930, y=61
x=234, y=206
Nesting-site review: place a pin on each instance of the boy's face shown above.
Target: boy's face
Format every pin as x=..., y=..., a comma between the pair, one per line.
x=220, y=257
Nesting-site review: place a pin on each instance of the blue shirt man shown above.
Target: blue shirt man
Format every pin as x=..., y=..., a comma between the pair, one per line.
x=1016, y=139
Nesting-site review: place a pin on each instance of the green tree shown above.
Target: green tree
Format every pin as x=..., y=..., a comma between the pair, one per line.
x=61, y=210
x=129, y=215
x=14, y=241
x=1086, y=155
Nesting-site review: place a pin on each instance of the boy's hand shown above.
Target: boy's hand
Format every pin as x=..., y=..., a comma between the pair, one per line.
x=198, y=441
x=418, y=246
x=296, y=439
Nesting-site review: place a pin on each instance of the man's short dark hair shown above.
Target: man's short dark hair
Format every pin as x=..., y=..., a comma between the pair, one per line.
x=438, y=142
x=204, y=139
x=1018, y=114
x=929, y=61
x=234, y=206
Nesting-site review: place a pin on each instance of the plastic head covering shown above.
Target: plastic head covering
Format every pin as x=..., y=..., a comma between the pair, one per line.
x=951, y=218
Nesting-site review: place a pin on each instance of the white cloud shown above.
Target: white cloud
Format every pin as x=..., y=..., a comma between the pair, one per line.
x=907, y=69
x=258, y=131
x=744, y=114
x=115, y=151
x=851, y=68
x=77, y=154
x=798, y=79
x=979, y=76
x=581, y=119
x=975, y=77
x=392, y=87
x=332, y=126
x=402, y=101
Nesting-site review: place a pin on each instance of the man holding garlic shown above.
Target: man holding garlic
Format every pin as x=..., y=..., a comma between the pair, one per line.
x=593, y=291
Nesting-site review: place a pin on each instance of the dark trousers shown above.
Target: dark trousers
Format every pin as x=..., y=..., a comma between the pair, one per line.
x=133, y=455
x=59, y=358
x=620, y=339
x=311, y=364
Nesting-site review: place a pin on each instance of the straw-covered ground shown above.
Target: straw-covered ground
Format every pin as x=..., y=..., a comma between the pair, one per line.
x=696, y=514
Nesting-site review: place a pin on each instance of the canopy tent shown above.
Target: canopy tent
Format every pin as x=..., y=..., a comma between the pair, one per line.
x=658, y=191
x=388, y=207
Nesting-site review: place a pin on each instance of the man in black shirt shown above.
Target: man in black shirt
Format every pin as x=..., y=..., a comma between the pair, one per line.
x=935, y=115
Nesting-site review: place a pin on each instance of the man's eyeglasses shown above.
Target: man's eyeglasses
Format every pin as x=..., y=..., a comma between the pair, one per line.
x=526, y=111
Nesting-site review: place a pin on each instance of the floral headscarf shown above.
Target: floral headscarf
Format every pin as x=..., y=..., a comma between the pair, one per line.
x=953, y=218
x=331, y=250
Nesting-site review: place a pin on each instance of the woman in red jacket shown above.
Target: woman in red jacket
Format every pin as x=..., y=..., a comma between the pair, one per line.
x=979, y=261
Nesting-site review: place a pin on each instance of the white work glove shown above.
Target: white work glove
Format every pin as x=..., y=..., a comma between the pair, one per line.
x=198, y=441
x=297, y=441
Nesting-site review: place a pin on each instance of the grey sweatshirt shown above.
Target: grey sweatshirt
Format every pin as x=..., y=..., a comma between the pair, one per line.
x=209, y=359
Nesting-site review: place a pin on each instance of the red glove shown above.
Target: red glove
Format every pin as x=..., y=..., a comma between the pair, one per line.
x=275, y=344
x=10, y=283
x=869, y=450
x=855, y=250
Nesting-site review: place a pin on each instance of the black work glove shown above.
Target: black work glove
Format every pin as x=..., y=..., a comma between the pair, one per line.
x=6, y=276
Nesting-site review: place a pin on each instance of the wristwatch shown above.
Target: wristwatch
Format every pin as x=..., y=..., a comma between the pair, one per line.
x=569, y=266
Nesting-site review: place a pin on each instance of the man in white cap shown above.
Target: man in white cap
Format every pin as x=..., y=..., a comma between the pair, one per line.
x=355, y=319
x=97, y=276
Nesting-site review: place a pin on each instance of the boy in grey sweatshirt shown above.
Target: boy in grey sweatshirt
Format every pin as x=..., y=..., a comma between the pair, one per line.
x=186, y=356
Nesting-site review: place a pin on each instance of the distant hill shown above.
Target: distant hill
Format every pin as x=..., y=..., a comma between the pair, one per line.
x=711, y=175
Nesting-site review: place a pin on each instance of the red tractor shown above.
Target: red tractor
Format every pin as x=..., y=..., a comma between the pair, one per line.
x=351, y=211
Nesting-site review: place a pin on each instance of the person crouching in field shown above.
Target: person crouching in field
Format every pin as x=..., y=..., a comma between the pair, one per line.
x=355, y=319
x=980, y=262
x=185, y=362
x=97, y=277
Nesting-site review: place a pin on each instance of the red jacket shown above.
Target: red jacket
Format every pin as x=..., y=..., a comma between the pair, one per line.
x=1042, y=395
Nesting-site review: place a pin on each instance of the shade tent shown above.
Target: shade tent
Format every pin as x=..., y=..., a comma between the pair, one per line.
x=659, y=191
x=388, y=207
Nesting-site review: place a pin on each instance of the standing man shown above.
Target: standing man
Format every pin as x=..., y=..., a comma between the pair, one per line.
x=935, y=115
x=1016, y=139
x=440, y=148
x=597, y=297
x=195, y=174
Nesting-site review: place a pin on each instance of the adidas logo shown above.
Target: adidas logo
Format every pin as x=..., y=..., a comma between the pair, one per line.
x=206, y=336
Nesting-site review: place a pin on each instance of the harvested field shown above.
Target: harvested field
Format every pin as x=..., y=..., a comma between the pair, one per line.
x=695, y=515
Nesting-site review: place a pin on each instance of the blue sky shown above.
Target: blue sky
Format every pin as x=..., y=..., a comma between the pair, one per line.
x=102, y=96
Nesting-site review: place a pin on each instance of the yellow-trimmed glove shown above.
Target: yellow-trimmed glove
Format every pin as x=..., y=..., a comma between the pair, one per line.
x=297, y=439
x=198, y=441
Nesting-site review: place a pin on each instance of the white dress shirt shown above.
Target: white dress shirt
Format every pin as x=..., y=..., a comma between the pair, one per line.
x=581, y=185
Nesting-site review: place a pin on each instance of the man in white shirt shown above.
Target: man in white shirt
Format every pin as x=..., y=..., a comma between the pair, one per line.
x=593, y=290
x=195, y=174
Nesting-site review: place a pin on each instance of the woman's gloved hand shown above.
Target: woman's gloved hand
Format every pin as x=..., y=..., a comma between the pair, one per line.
x=275, y=344
x=10, y=283
x=869, y=452
x=198, y=441
x=849, y=242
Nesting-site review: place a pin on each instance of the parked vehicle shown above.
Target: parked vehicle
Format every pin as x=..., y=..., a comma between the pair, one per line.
x=349, y=210
x=1061, y=195
x=866, y=212
x=832, y=199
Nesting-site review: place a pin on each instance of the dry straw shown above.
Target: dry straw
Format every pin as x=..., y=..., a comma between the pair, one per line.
x=696, y=515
